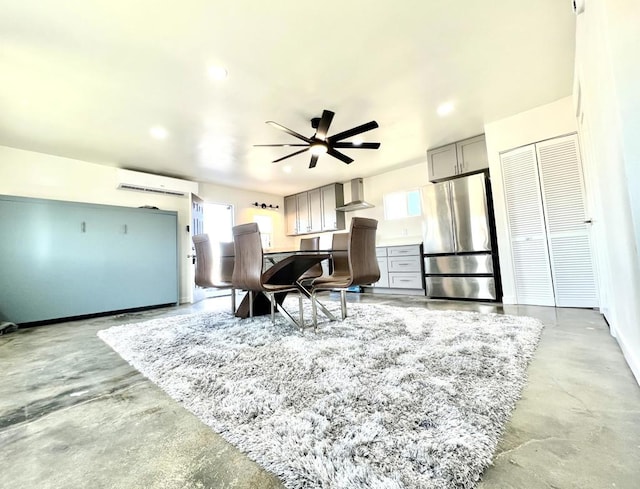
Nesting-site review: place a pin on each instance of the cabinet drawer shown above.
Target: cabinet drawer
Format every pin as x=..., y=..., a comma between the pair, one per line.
x=404, y=263
x=381, y=252
x=403, y=250
x=400, y=280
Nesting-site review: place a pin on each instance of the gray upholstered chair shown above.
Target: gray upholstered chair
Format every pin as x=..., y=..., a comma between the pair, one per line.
x=357, y=266
x=212, y=274
x=248, y=275
x=310, y=244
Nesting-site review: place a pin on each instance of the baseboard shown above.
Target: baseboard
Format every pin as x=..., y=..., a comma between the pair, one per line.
x=632, y=358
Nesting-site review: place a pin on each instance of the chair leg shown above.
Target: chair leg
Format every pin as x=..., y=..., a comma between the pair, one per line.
x=343, y=303
x=272, y=300
x=233, y=301
x=314, y=311
x=301, y=313
x=251, y=303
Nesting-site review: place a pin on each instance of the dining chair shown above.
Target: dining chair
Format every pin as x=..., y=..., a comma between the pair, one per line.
x=354, y=263
x=212, y=274
x=248, y=275
x=310, y=244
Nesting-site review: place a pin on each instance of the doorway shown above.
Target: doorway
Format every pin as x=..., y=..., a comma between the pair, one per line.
x=218, y=224
x=548, y=224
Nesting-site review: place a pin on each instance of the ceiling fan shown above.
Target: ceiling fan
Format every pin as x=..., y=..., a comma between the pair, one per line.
x=320, y=143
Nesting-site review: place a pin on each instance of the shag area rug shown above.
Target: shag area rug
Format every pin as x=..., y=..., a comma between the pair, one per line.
x=389, y=398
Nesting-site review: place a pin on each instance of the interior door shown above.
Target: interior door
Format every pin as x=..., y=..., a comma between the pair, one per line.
x=196, y=227
x=568, y=234
x=530, y=255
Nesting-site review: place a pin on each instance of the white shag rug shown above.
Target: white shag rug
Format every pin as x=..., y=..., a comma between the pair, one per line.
x=393, y=397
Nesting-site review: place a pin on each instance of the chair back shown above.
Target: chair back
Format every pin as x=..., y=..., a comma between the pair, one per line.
x=311, y=244
x=204, y=260
x=227, y=261
x=340, y=254
x=247, y=272
x=363, y=263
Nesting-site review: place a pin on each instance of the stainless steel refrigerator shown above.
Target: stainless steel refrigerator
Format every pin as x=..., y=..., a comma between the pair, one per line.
x=461, y=259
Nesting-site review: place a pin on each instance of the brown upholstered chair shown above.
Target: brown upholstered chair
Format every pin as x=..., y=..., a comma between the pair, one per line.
x=212, y=274
x=358, y=266
x=247, y=272
x=310, y=244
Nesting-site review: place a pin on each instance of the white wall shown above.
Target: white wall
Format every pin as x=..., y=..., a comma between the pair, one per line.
x=31, y=174
x=245, y=212
x=544, y=122
x=395, y=231
x=608, y=106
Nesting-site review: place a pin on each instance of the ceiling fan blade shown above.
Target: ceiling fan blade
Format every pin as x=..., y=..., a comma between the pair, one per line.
x=323, y=125
x=277, y=145
x=314, y=161
x=353, y=132
x=356, y=146
x=289, y=131
x=289, y=156
x=341, y=156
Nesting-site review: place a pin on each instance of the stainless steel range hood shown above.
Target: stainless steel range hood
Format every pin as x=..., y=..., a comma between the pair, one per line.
x=357, y=198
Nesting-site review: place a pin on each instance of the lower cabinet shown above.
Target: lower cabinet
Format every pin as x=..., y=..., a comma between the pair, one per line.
x=400, y=270
x=64, y=259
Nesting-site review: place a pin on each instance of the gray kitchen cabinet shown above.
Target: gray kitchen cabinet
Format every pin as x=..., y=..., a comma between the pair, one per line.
x=442, y=162
x=400, y=268
x=304, y=214
x=381, y=256
x=65, y=259
x=291, y=214
x=332, y=196
x=460, y=158
x=314, y=211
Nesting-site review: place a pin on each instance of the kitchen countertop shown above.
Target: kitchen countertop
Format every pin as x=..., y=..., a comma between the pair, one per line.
x=402, y=241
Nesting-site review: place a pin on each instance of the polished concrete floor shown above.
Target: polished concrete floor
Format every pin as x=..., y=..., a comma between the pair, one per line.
x=73, y=414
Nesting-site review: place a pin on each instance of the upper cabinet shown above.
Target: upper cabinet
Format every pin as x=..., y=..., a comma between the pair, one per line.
x=314, y=211
x=463, y=157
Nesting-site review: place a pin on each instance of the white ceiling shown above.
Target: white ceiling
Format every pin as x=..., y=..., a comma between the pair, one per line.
x=88, y=79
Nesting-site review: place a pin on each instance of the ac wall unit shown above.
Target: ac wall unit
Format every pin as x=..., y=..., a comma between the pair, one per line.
x=155, y=184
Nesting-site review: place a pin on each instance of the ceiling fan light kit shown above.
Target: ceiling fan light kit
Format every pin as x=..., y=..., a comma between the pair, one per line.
x=321, y=143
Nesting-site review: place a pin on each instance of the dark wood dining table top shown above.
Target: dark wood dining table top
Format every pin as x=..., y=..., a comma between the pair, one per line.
x=285, y=271
x=291, y=267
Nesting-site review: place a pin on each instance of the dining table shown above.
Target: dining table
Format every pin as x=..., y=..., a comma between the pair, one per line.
x=284, y=267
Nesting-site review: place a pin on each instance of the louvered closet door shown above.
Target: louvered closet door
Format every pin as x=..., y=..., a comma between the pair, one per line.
x=567, y=233
x=531, y=267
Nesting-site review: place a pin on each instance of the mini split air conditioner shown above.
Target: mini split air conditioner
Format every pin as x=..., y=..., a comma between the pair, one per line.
x=155, y=184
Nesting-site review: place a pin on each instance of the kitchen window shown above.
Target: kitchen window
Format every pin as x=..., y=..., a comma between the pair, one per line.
x=399, y=205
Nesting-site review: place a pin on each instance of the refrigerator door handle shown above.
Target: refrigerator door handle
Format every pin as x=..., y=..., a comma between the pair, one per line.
x=452, y=206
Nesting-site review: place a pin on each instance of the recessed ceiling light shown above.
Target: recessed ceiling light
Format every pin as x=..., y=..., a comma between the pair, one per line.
x=217, y=73
x=445, y=109
x=286, y=169
x=158, y=132
x=358, y=141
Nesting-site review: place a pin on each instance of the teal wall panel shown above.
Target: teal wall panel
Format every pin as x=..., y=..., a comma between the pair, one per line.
x=63, y=259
